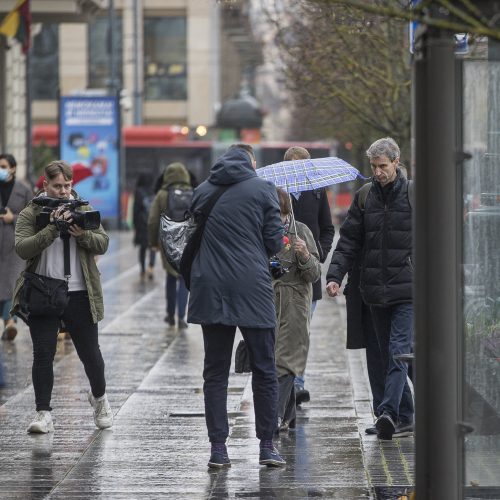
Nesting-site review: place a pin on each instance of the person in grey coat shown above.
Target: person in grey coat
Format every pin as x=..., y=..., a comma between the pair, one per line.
x=231, y=287
x=14, y=196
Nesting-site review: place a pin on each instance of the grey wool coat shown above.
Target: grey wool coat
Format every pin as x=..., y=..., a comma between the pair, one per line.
x=293, y=294
x=230, y=279
x=11, y=264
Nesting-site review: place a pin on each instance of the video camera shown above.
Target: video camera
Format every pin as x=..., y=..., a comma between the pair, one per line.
x=88, y=220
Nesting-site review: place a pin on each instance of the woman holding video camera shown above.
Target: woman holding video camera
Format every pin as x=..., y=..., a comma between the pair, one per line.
x=294, y=270
x=76, y=299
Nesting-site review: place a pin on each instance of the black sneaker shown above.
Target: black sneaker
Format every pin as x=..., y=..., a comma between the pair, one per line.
x=170, y=320
x=301, y=396
x=385, y=427
x=271, y=458
x=403, y=430
x=218, y=460
x=371, y=431
x=182, y=324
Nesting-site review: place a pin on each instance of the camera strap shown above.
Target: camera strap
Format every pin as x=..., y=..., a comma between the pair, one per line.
x=66, y=252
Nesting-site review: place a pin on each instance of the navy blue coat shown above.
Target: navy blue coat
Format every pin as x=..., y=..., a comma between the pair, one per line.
x=230, y=279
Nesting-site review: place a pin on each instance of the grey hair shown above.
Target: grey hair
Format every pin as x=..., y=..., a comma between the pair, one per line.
x=384, y=147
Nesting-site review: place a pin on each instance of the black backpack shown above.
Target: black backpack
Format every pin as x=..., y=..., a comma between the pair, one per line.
x=178, y=203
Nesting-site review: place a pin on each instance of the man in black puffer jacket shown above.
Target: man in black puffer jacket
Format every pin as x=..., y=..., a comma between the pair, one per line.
x=379, y=228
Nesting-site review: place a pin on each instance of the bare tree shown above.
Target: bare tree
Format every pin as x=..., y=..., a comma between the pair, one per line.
x=348, y=70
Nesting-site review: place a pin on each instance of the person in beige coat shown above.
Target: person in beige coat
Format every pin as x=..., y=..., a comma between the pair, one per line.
x=292, y=280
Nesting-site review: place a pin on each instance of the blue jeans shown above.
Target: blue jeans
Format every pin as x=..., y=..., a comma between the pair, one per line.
x=394, y=328
x=218, y=340
x=176, y=296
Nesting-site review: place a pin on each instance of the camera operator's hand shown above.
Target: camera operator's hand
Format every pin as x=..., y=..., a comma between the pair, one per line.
x=76, y=231
x=60, y=213
x=8, y=216
x=300, y=248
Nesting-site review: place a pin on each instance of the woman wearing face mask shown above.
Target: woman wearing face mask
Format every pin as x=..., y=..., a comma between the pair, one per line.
x=14, y=196
x=294, y=270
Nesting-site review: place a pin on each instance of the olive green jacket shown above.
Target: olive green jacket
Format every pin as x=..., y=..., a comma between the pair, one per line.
x=30, y=243
x=293, y=297
x=176, y=175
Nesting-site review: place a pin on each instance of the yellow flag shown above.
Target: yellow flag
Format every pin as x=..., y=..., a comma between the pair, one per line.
x=10, y=24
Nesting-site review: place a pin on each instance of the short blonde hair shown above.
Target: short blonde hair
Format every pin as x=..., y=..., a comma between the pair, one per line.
x=296, y=153
x=54, y=168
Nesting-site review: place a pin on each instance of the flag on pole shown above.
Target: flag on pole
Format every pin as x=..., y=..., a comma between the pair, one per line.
x=17, y=23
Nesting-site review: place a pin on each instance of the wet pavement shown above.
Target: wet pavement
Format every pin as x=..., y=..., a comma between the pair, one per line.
x=158, y=446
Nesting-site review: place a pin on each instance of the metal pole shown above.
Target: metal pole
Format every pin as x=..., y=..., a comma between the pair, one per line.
x=137, y=62
x=437, y=285
x=29, y=132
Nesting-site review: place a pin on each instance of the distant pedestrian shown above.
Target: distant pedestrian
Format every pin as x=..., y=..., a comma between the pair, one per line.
x=176, y=186
x=231, y=287
x=312, y=209
x=297, y=268
x=14, y=196
x=43, y=248
x=143, y=200
x=381, y=228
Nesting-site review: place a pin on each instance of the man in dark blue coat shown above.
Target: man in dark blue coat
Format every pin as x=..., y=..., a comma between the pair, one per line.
x=380, y=231
x=231, y=287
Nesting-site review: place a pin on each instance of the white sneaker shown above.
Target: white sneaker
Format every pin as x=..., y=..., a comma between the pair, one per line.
x=103, y=416
x=42, y=423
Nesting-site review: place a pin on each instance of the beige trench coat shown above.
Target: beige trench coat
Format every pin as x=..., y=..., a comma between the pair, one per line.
x=293, y=296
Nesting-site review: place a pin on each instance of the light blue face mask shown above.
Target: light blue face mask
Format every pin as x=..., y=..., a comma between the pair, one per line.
x=4, y=174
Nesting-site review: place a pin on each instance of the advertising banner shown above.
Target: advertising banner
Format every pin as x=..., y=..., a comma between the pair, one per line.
x=90, y=142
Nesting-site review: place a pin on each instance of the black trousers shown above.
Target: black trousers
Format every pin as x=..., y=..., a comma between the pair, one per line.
x=219, y=340
x=78, y=320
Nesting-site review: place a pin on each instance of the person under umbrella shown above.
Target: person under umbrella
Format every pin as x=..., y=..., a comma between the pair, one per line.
x=294, y=269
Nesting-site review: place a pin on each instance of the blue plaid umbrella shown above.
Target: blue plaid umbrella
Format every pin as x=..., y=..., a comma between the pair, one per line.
x=305, y=175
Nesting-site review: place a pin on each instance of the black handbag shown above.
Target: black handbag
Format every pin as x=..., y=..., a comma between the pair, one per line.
x=43, y=296
x=242, y=359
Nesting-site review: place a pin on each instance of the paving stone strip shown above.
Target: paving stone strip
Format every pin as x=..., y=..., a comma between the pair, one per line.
x=158, y=447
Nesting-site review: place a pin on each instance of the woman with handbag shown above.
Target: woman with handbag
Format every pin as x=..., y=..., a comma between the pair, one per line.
x=48, y=292
x=294, y=269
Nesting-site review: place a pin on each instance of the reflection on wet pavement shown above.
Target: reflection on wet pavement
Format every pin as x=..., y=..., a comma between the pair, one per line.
x=158, y=446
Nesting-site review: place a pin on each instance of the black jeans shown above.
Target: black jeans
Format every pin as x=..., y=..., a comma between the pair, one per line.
x=79, y=323
x=142, y=257
x=218, y=340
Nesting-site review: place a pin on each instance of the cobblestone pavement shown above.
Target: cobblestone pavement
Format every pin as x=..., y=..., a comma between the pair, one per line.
x=158, y=447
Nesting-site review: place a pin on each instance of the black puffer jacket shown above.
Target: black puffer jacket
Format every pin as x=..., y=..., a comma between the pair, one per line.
x=383, y=233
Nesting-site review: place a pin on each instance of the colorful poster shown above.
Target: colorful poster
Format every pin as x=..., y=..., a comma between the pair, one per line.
x=90, y=142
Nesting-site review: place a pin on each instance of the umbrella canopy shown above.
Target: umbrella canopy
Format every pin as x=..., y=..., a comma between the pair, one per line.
x=305, y=175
